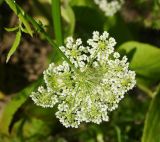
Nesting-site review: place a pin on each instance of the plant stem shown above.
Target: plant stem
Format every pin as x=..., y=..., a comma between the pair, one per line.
x=146, y=90
x=20, y=12
x=48, y=38
x=56, y=18
x=118, y=132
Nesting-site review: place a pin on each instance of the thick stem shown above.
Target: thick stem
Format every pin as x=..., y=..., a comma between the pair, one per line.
x=56, y=17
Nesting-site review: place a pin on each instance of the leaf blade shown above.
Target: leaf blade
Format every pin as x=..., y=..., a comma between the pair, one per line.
x=26, y=24
x=152, y=125
x=145, y=60
x=11, y=29
x=15, y=45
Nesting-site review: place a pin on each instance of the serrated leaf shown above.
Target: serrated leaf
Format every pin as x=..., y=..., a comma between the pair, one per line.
x=151, y=131
x=11, y=29
x=14, y=105
x=145, y=61
x=15, y=45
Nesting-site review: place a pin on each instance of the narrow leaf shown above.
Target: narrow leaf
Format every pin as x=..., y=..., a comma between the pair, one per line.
x=26, y=24
x=21, y=15
x=15, y=45
x=151, y=131
x=11, y=29
x=24, y=30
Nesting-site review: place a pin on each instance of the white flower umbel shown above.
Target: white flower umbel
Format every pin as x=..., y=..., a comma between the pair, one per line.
x=88, y=92
x=109, y=7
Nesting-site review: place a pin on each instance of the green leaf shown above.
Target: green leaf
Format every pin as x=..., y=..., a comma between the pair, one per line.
x=145, y=60
x=15, y=45
x=11, y=29
x=24, y=30
x=26, y=24
x=12, y=107
x=21, y=15
x=151, y=131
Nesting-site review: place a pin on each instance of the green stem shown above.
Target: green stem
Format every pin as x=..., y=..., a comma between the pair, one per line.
x=56, y=17
x=118, y=132
x=48, y=38
x=145, y=90
x=20, y=12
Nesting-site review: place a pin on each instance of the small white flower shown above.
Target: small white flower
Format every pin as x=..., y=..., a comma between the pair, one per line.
x=109, y=8
x=44, y=97
x=93, y=88
x=116, y=55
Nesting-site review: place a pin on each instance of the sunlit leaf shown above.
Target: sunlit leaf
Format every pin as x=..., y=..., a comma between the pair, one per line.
x=145, y=61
